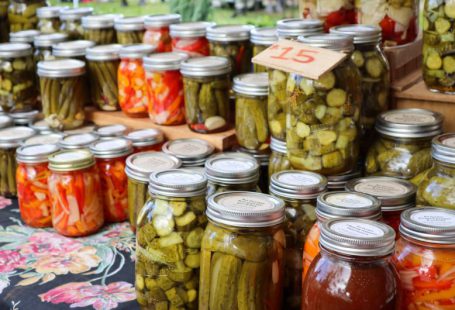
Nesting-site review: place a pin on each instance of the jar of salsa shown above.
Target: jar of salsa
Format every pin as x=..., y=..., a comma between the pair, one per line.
x=192, y=152
x=332, y=13
x=111, y=131
x=279, y=158
x=77, y=141
x=262, y=38
x=130, y=30
x=157, y=31
x=146, y=139
x=71, y=21
x=190, y=38
x=338, y=182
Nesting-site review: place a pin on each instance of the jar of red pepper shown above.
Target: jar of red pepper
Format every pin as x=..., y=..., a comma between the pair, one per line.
x=190, y=38
x=332, y=13
x=157, y=31
x=146, y=139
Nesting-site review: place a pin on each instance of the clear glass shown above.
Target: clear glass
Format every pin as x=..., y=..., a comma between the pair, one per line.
x=137, y=197
x=438, y=186
x=73, y=28
x=159, y=37
x=130, y=37
x=22, y=14
x=215, y=188
x=8, y=172
x=132, y=87
x=100, y=35
x=103, y=84
x=311, y=248
x=194, y=47
x=257, y=49
x=42, y=53
x=278, y=162
x=49, y=25
x=277, y=103
x=4, y=23
x=332, y=13
x=239, y=52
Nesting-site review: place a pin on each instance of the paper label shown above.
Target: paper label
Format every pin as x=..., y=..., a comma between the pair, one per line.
x=143, y=134
x=296, y=178
x=409, y=118
x=111, y=129
x=381, y=188
x=153, y=163
x=80, y=139
x=357, y=229
x=434, y=218
x=246, y=203
x=180, y=178
x=232, y=165
x=348, y=200
x=449, y=142
x=188, y=148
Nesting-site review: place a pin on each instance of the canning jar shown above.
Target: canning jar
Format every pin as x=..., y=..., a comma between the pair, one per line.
x=251, y=126
x=22, y=14
x=32, y=187
x=262, y=157
x=100, y=28
x=403, y=147
x=157, y=31
x=49, y=19
x=332, y=13
x=17, y=76
x=279, y=158
x=190, y=38
x=74, y=191
x=87, y=127
x=71, y=22
x=232, y=42
x=44, y=138
x=132, y=85
x=10, y=139
x=242, y=252
x=24, y=36
x=298, y=190
x=6, y=121
x=337, y=182
x=262, y=38
x=4, y=22
x=103, y=62
x=77, y=141
x=206, y=86
x=40, y=126
x=164, y=83
x=138, y=169
x=353, y=269
x=72, y=49
x=323, y=115
x=192, y=152
x=111, y=131
x=169, y=233
x=129, y=30
x=146, y=139
x=110, y=155
x=24, y=118
x=43, y=45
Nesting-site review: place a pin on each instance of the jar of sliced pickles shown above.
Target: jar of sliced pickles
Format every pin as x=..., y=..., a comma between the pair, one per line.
x=164, y=83
x=190, y=38
x=71, y=21
x=22, y=14
x=129, y=30
x=278, y=159
x=24, y=36
x=206, y=85
x=32, y=187
x=6, y=121
x=403, y=148
x=43, y=45
x=331, y=13
x=157, y=31
x=111, y=131
x=24, y=118
x=146, y=139
x=337, y=182
x=242, y=252
x=298, y=190
x=192, y=152
x=77, y=141
x=44, y=138
x=72, y=49
x=323, y=115
x=262, y=38
x=49, y=19
x=100, y=28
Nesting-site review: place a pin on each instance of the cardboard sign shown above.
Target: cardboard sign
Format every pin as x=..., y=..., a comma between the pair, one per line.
x=296, y=57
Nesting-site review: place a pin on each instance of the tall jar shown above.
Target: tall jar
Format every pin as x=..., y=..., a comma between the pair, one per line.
x=298, y=190
x=22, y=14
x=331, y=13
x=71, y=21
x=323, y=115
x=129, y=30
x=403, y=147
x=77, y=141
x=132, y=84
x=206, y=85
x=146, y=139
x=18, y=91
x=261, y=39
x=43, y=45
x=74, y=190
x=157, y=31
x=190, y=38
x=251, y=126
x=49, y=19
x=100, y=28
x=24, y=36
x=164, y=83
x=169, y=233
x=44, y=138
x=337, y=182
x=32, y=187
x=279, y=158
x=353, y=269
x=242, y=252
x=72, y=49
x=192, y=152
x=262, y=157
x=111, y=131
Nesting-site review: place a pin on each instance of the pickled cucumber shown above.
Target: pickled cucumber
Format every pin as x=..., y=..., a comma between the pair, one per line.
x=100, y=36
x=103, y=84
x=277, y=101
x=8, y=172
x=130, y=37
x=239, y=53
x=137, y=197
x=278, y=162
x=49, y=25
x=256, y=50
x=437, y=188
x=73, y=28
x=22, y=15
x=251, y=124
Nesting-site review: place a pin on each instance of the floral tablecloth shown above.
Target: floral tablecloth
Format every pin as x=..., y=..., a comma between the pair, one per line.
x=40, y=269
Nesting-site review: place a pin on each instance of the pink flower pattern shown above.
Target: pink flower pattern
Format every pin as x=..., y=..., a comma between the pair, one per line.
x=10, y=260
x=48, y=243
x=4, y=202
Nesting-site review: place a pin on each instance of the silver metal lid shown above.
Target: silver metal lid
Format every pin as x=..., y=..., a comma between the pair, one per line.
x=330, y=41
x=294, y=27
x=409, y=123
x=264, y=36
x=100, y=21
x=37, y=153
x=145, y=137
x=12, y=137
x=48, y=40
x=262, y=156
x=205, y=66
x=77, y=141
x=61, y=68
x=361, y=34
x=88, y=127
x=48, y=138
x=357, y=237
x=164, y=61
x=254, y=84
x=15, y=50
x=245, y=209
x=192, y=152
x=24, y=118
x=71, y=48
x=111, y=148
x=232, y=168
x=129, y=24
x=71, y=160
x=136, y=51
x=24, y=36
x=177, y=183
x=50, y=11
x=297, y=184
x=41, y=126
x=110, y=131
x=338, y=181
x=161, y=20
x=190, y=30
x=443, y=148
x=278, y=146
x=103, y=52
x=229, y=33
x=139, y=166
x=6, y=121
x=75, y=13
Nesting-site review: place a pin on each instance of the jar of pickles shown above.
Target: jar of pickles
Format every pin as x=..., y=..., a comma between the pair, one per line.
x=44, y=138
x=242, y=252
x=100, y=28
x=337, y=182
x=74, y=187
x=298, y=190
x=78, y=141
x=403, y=148
x=24, y=36
x=262, y=38
x=4, y=22
x=206, y=86
x=72, y=49
x=323, y=115
x=190, y=38
x=24, y=118
x=278, y=159
x=49, y=19
x=263, y=158
x=129, y=30
x=192, y=152
x=146, y=139
x=22, y=14
x=32, y=187
x=111, y=131
x=157, y=31
x=43, y=45
x=332, y=13
x=71, y=21
x=164, y=83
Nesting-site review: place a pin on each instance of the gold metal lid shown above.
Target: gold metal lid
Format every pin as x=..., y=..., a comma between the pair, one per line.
x=70, y=160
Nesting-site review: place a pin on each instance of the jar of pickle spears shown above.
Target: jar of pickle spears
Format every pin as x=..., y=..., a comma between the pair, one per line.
x=100, y=28
x=129, y=30
x=22, y=14
x=43, y=45
x=337, y=182
x=24, y=118
x=262, y=38
x=72, y=49
x=44, y=138
x=49, y=19
x=24, y=36
x=279, y=158
x=111, y=131
x=332, y=13
x=146, y=139
x=190, y=38
x=71, y=21
x=157, y=31
x=192, y=152
x=77, y=141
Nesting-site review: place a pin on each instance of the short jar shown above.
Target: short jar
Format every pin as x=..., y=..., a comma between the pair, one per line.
x=190, y=38
x=72, y=49
x=192, y=152
x=24, y=36
x=157, y=31
x=78, y=141
x=100, y=28
x=49, y=19
x=261, y=39
x=43, y=45
x=71, y=22
x=279, y=158
x=146, y=139
x=129, y=30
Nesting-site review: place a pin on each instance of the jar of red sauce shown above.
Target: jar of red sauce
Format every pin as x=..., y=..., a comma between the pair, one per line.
x=157, y=31
x=190, y=38
x=146, y=139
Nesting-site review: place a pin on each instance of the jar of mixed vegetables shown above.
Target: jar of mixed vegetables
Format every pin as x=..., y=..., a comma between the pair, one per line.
x=49, y=19
x=279, y=158
x=129, y=30
x=262, y=38
x=332, y=13
x=146, y=139
x=164, y=83
x=22, y=14
x=242, y=252
x=190, y=38
x=24, y=36
x=157, y=31
x=206, y=86
x=192, y=152
x=337, y=182
x=111, y=131
x=100, y=28
x=43, y=45
x=78, y=141
x=72, y=49
x=71, y=21
x=44, y=138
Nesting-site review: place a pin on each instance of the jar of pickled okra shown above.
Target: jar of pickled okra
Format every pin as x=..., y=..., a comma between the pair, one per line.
x=337, y=182
x=24, y=36
x=32, y=186
x=87, y=127
x=24, y=118
x=111, y=131
x=129, y=30
x=43, y=45
x=262, y=38
x=49, y=19
x=71, y=21
x=103, y=62
x=157, y=31
x=44, y=138
x=146, y=139
x=17, y=75
x=74, y=191
x=10, y=139
x=6, y=121
x=22, y=14
x=132, y=84
x=262, y=156
x=323, y=115
x=164, y=84
x=190, y=38
x=403, y=146
x=278, y=159
x=72, y=49
x=169, y=233
x=206, y=85
x=138, y=169
x=192, y=152
x=100, y=28
x=298, y=190
x=331, y=13
x=242, y=250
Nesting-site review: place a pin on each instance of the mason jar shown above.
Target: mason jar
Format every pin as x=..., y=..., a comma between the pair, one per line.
x=6, y=121
x=77, y=141
x=44, y=138
x=129, y=30
x=40, y=126
x=157, y=31
x=4, y=22
x=24, y=118
x=278, y=159
x=146, y=139
x=190, y=38
x=331, y=13
x=111, y=131
x=87, y=127
x=100, y=28
x=337, y=182
x=43, y=45
x=263, y=158
x=262, y=38
x=22, y=14
x=24, y=36
x=72, y=49
x=49, y=19
x=192, y=152
x=71, y=21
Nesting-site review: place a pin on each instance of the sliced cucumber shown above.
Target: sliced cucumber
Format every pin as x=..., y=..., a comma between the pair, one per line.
x=448, y=64
x=433, y=61
x=442, y=25
x=357, y=59
x=374, y=67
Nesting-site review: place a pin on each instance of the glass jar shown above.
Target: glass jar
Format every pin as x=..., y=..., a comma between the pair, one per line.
x=323, y=115
x=192, y=152
x=403, y=148
x=24, y=36
x=206, y=86
x=4, y=22
x=49, y=19
x=146, y=139
x=262, y=38
x=43, y=45
x=22, y=14
x=110, y=155
x=17, y=76
x=190, y=38
x=62, y=92
x=138, y=169
x=251, y=126
x=338, y=182
x=164, y=83
x=157, y=31
x=32, y=187
x=10, y=139
x=129, y=30
x=100, y=28
x=332, y=13
x=71, y=22
x=353, y=269
x=87, y=127
x=74, y=191
x=77, y=141
x=298, y=190
x=132, y=84
x=45, y=138
x=262, y=157
x=242, y=252
x=103, y=62
x=72, y=49
x=40, y=126
x=24, y=118
x=111, y=131
x=6, y=121
x=278, y=159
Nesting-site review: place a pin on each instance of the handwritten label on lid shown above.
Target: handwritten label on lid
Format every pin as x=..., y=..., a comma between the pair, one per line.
x=349, y=200
x=70, y=156
x=409, y=118
x=295, y=178
x=381, y=188
x=434, y=218
x=246, y=203
x=232, y=165
x=153, y=163
x=357, y=229
x=188, y=148
x=80, y=138
x=179, y=178
x=449, y=142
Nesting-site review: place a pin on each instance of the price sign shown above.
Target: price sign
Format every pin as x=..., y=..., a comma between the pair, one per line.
x=296, y=57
